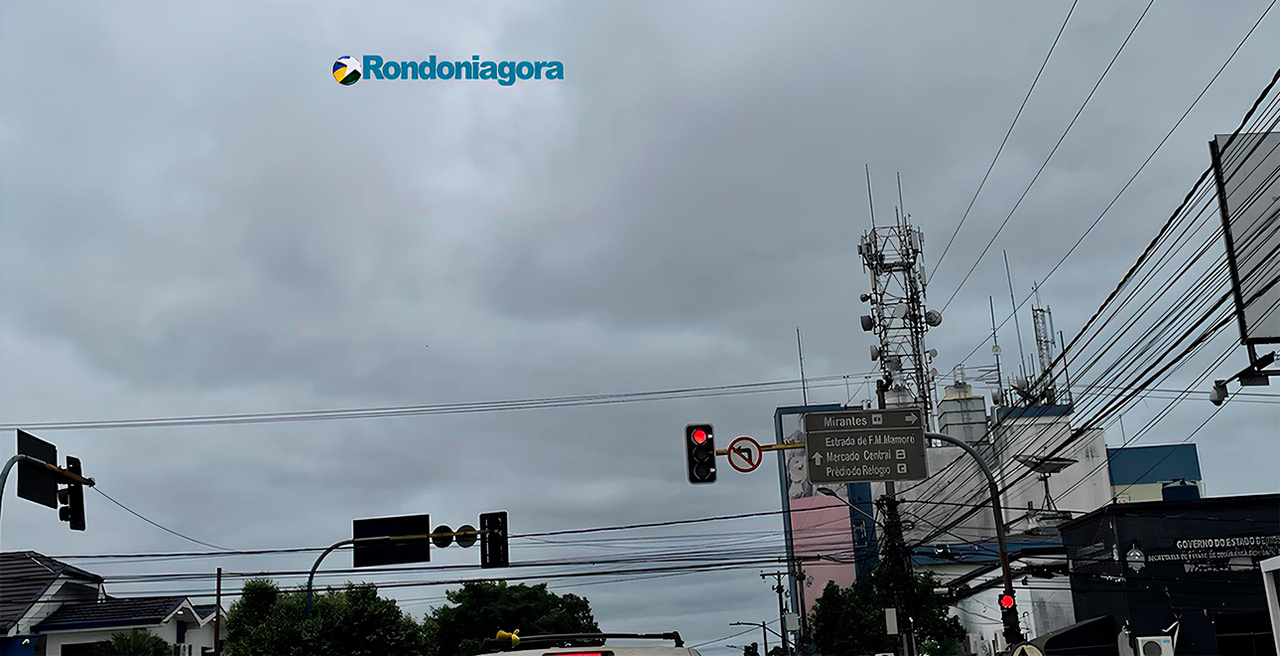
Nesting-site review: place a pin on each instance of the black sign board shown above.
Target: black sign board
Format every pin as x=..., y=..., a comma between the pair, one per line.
x=493, y=540
x=864, y=446
x=412, y=543
x=36, y=483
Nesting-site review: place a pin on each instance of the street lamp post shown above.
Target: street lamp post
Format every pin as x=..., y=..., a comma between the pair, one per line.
x=764, y=631
x=1009, y=616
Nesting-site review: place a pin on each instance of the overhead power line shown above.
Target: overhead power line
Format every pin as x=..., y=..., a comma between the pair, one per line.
x=159, y=526
x=1134, y=177
x=1005, y=140
x=1072, y=352
x=1048, y=158
x=765, y=387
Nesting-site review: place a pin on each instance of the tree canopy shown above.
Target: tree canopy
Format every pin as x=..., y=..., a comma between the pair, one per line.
x=138, y=642
x=479, y=610
x=268, y=621
x=354, y=621
x=850, y=621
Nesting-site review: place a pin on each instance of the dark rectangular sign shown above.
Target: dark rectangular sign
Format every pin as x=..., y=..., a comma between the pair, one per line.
x=391, y=552
x=493, y=540
x=865, y=446
x=36, y=483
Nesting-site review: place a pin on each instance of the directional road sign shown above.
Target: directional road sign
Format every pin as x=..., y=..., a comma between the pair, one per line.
x=37, y=483
x=865, y=446
x=744, y=454
x=391, y=540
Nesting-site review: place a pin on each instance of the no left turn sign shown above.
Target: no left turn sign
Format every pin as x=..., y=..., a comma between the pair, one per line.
x=744, y=454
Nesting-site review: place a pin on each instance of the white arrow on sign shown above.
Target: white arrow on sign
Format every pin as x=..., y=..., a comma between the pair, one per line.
x=817, y=459
x=911, y=418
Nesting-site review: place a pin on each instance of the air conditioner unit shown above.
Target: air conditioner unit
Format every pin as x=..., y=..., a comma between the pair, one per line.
x=1155, y=646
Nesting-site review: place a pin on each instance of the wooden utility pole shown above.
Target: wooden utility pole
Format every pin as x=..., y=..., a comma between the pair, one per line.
x=782, y=608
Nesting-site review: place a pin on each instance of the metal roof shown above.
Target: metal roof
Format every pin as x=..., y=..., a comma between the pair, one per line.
x=25, y=576
x=127, y=611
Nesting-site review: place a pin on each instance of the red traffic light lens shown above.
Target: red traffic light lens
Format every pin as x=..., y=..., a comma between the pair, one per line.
x=1006, y=601
x=699, y=436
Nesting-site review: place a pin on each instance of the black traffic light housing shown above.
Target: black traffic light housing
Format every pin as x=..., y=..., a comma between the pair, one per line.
x=700, y=453
x=71, y=498
x=493, y=540
x=1009, y=618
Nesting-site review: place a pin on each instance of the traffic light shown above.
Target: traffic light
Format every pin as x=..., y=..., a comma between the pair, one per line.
x=493, y=540
x=700, y=452
x=1009, y=618
x=71, y=498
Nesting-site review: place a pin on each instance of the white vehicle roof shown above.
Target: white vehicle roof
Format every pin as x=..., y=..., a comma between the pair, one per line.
x=615, y=644
x=620, y=650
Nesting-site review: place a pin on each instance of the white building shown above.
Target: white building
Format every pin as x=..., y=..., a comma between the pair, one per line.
x=50, y=608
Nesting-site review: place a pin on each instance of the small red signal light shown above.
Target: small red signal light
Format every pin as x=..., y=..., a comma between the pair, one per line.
x=699, y=436
x=1006, y=601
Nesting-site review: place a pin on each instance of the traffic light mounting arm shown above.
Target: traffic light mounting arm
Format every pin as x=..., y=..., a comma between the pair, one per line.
x=65, y=475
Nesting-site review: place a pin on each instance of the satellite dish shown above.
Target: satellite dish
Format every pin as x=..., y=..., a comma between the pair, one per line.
x=934, y=372
x=899, y=310
x=933, y=318
x=875, y=352
x=867, y=323
x=933, y=353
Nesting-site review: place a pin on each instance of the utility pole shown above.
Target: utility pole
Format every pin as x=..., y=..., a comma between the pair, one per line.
x=782, y=608
x=894, y=257
x=802, y=638
x=217, y=619
x=898, y=561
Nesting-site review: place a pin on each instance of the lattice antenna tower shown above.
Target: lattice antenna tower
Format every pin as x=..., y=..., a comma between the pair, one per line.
x=893, y=257
x=1042, y=319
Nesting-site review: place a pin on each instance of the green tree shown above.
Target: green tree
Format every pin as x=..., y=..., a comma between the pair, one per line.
x=138, y=642
x=354, y=621
x=850, y=621
x=479, y=610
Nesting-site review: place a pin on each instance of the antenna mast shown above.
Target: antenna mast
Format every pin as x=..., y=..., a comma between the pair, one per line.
x=1022, y=356
x=892, y=255
x=1042, y=318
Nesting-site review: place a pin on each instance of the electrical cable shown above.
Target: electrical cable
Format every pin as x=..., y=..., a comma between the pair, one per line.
x=1050, y=157
x=1004, y=141
x=163, y=528
x=775, y=386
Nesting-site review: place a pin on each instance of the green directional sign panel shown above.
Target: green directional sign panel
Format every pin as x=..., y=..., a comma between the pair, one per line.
x=866, y=446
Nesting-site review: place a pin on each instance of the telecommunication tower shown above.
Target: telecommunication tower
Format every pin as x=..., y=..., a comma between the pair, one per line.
x=893, y=257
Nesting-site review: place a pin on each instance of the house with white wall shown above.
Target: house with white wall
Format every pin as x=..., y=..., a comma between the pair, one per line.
x=51, y=608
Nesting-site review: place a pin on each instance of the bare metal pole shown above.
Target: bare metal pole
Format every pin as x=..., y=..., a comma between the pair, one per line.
x=312, y=576
x=217, y=620
x=804, y=389
x=1022, y=356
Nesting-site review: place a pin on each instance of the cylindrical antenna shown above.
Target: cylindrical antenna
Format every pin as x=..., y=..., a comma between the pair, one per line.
x=995, y=349
x=1022, y=356
x=804, y=390
x=1065, y=373
x=870, y=203
x=900, y=203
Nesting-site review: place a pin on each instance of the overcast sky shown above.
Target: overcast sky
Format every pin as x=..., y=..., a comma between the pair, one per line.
x=195, y=218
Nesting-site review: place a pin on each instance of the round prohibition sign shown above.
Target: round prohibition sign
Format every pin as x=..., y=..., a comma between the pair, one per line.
x=744, y=454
